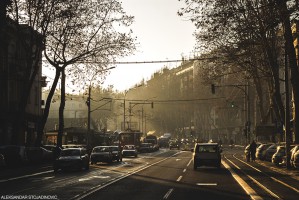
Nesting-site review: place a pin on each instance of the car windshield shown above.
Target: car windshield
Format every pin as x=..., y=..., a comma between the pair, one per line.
x=101, y=149
x=70, y=152
x=206, y=148
x=129, y=147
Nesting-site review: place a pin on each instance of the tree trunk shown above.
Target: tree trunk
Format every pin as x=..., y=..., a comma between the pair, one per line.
x=47, y=109
x=61, y=109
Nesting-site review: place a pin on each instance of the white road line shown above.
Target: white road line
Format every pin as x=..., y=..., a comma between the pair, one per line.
x=242, y=183
x=25, y=176
x=208, y=184
x=168, y=193
x=179, y=178
x=184, y=170
x=189, y=162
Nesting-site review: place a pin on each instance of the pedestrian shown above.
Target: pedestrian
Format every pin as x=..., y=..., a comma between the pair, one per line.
x=252, y=150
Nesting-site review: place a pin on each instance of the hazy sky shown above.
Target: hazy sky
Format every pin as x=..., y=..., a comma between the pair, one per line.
x=161, y=34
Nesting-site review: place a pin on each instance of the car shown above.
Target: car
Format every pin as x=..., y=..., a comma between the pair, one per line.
x=174, y=144
x=145, y=148
x=295, y=162
x=206, y=154
x=116, y=153
x=129, y=150
x=268, y=153
x=14, y=155
x=247, y=153
x=72, y=158
x=277, y=157
x=101, y=154
x=39, y=154
x=2, y=161
x=260, y=151
x=293, y=152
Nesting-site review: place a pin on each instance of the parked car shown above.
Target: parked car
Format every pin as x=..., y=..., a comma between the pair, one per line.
x=247, y=153
x=101, y=154
x=174, y=144
x=129, y=150
x=72, y=158
x=206, y=154
x=14, y=155
x=39, y=154
x=295, y=162
x=145, y=147
x=2, y=161
x=292, y=155
x=268, y=153
x=277, y=157
x=260, y=151
x=116, y=153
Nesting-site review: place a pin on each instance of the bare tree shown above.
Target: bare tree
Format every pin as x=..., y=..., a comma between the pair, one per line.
x=84, y=32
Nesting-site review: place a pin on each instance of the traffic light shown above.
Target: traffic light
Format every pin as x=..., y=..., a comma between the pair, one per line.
x=213, y=88
x=232, y=104
x=88, y=102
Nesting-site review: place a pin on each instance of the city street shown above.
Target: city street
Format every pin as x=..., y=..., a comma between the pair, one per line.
x=165, y=174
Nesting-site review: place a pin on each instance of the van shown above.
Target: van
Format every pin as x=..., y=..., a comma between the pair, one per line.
x=206, y=154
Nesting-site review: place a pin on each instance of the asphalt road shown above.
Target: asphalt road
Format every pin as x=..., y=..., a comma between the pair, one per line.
x=165, y=174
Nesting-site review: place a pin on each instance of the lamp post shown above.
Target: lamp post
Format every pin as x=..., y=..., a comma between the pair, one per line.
x=88, y=103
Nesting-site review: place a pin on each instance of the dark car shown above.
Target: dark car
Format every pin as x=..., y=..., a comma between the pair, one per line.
x=39, y=154
x=2, y=161
x=247, y=153
x=277, y=157
x=206, y=154
x=72, y=158
x=295, y=162
x=14, y=155
x=145, y=148
x=101, y=154
x=174, y=144
x=260, y=151
x=116, y=153
x=293, y=152
x=268, y=153
x=129, y=150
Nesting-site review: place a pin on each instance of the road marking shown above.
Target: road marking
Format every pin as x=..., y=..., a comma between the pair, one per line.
x=93, y=177
x=184, y=170
x=242, y=183
x=201, y=184
x=179, y=178
x=25, y=176
x=189, y=162
x=168, y=193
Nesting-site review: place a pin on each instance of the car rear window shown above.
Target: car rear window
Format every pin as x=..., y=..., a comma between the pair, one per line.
x=206, y=148
x=101, y=149
x=70, y=152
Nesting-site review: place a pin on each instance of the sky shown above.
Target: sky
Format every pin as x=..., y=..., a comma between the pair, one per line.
x=161, y=35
